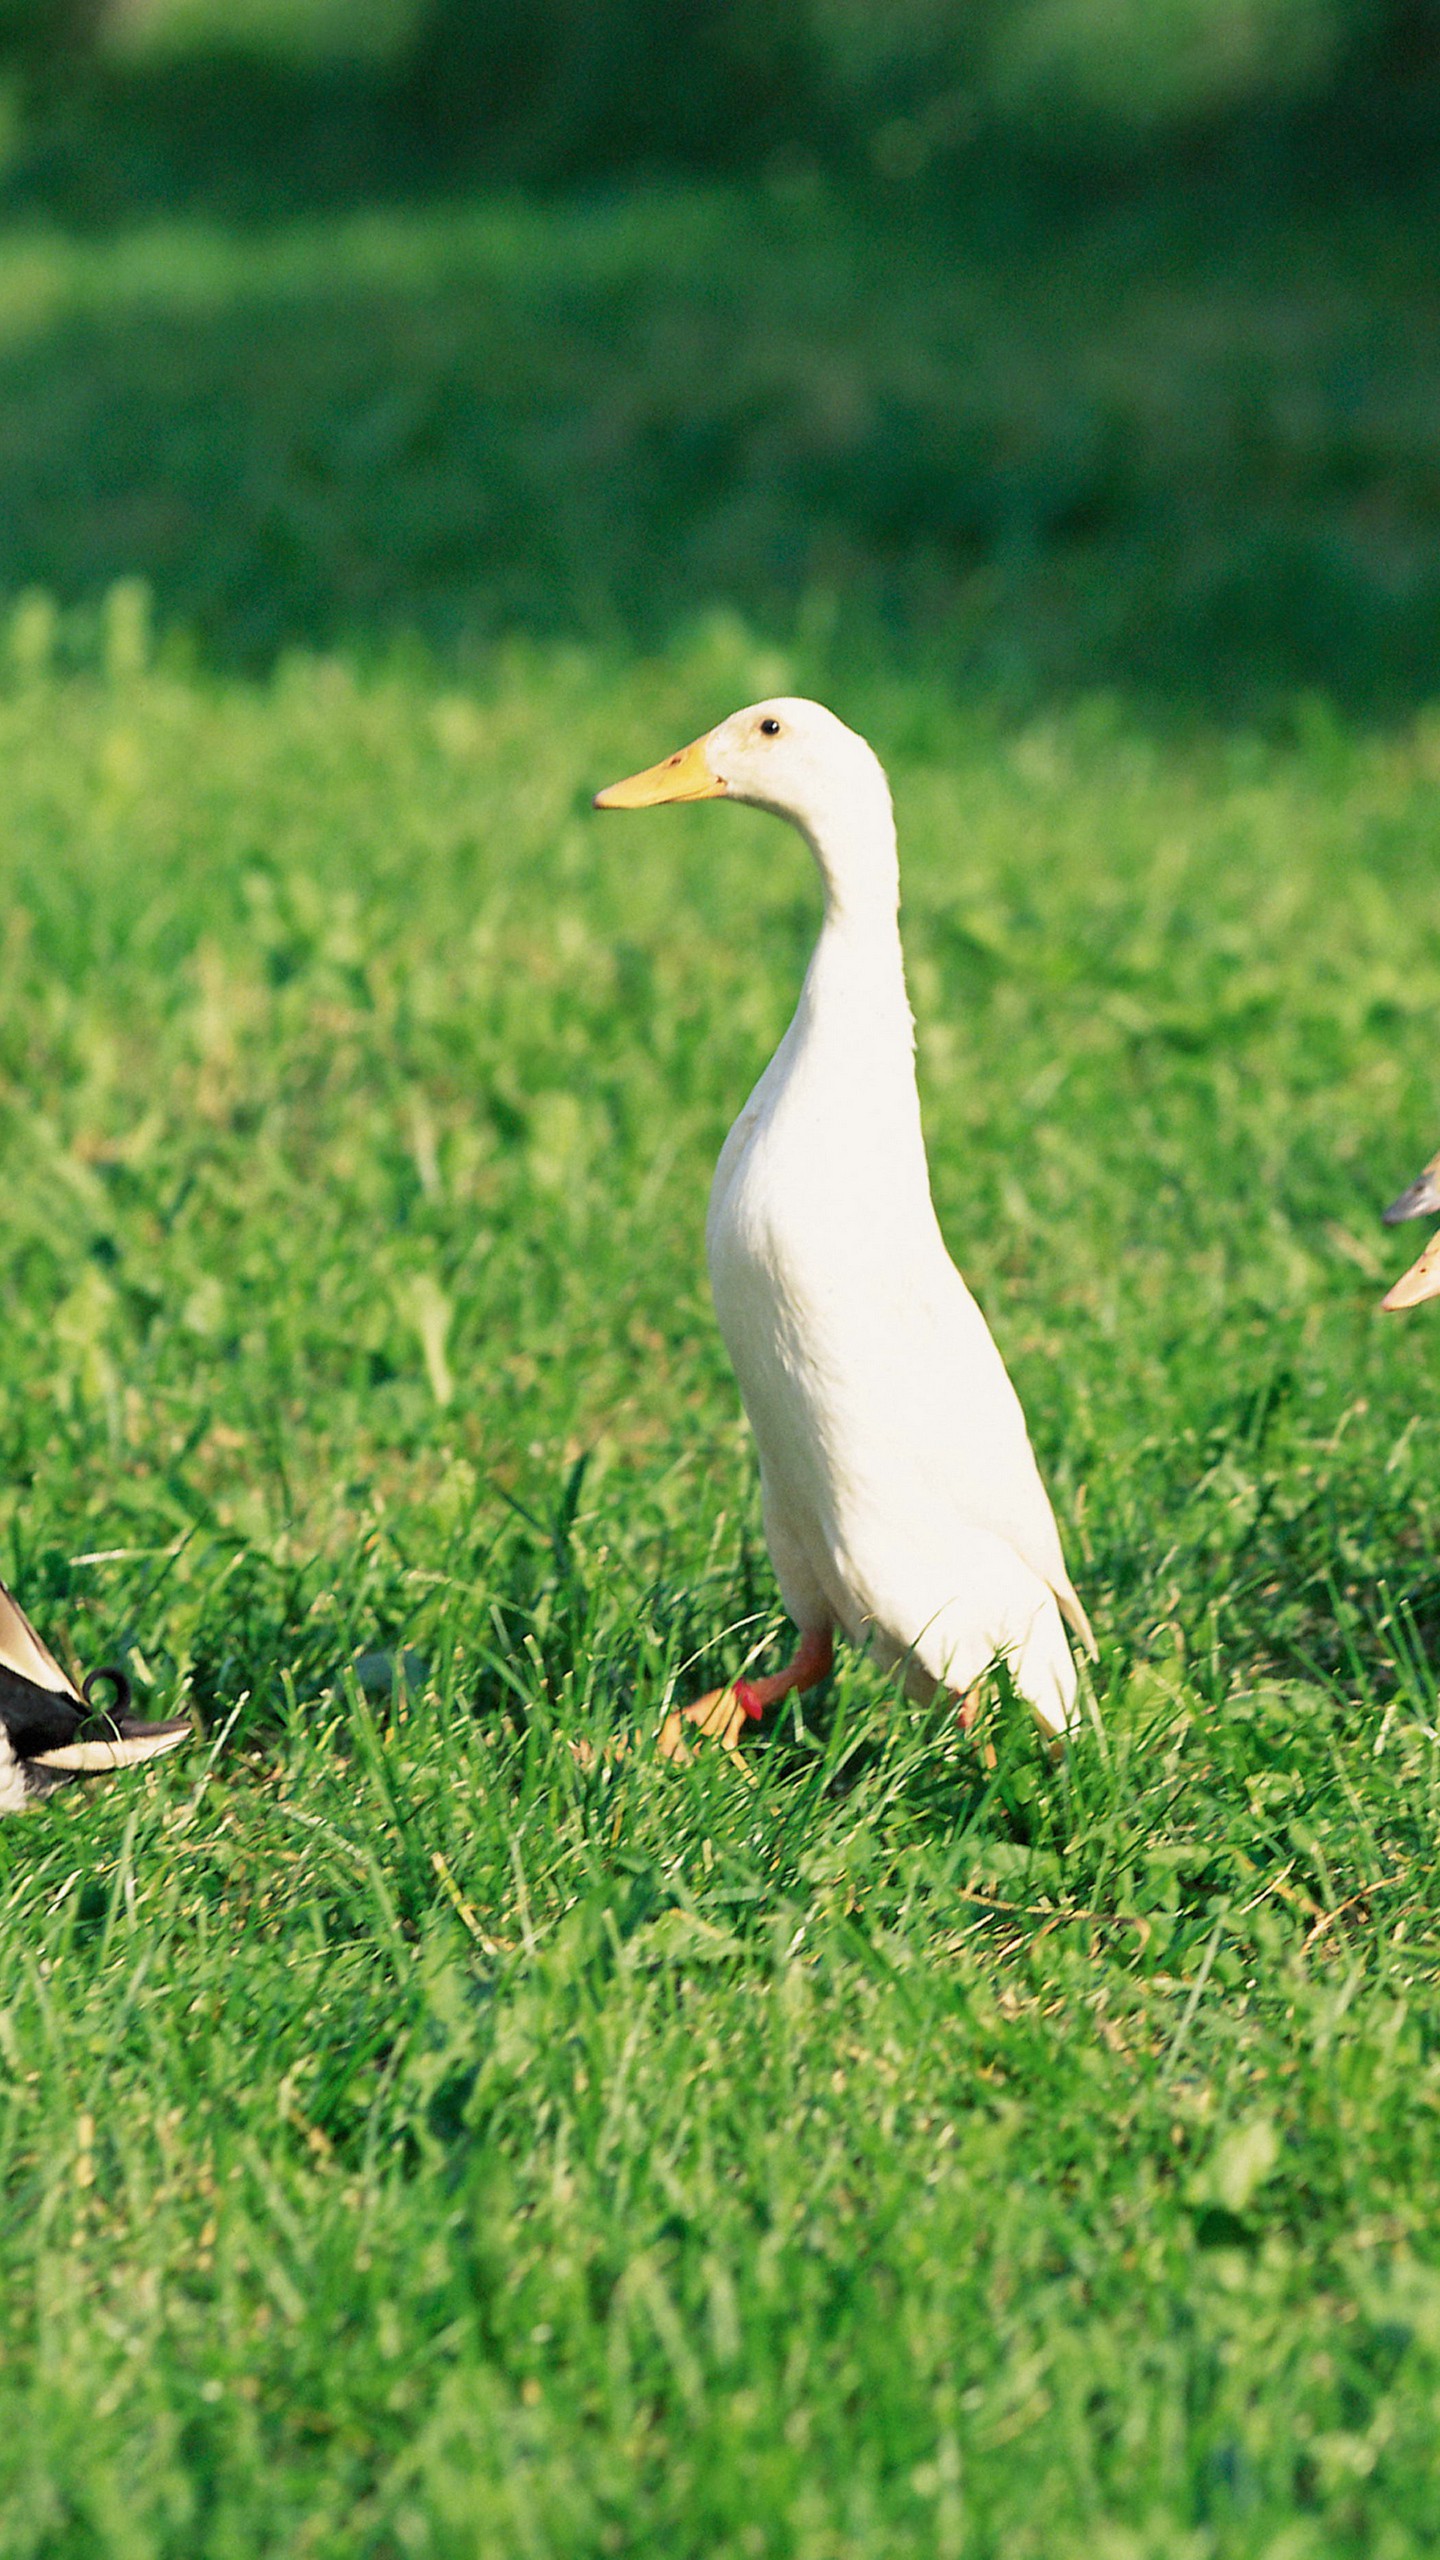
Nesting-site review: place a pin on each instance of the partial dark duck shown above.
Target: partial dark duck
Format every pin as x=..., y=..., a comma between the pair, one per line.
x=1422, y=1280
x=51, y=1731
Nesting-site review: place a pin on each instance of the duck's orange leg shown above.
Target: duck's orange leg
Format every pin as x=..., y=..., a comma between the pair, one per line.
x=722, y=1714
x=969, y=1703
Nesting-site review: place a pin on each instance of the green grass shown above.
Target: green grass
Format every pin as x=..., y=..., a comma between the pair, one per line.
x=413, y=2145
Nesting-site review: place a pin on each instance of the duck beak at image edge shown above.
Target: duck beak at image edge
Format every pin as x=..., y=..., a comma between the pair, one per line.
x=1421, y=1281
x=686, y=775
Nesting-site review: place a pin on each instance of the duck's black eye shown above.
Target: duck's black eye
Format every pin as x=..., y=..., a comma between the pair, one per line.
x=769, y=728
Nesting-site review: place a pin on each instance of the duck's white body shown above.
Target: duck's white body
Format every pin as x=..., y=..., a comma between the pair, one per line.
x=902, y=1501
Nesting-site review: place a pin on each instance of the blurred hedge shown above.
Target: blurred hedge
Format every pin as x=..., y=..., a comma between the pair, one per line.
x=550, y=89
x=553, y=89
x=899, y=86
x=50, y=35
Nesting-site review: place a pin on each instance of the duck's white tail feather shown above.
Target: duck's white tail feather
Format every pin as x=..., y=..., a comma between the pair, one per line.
x=973, y=1603
x=23, y=1652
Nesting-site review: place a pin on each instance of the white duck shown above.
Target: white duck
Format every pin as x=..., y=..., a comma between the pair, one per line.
x=50, y=1730
x=902, y=1502
x=1422, y=1280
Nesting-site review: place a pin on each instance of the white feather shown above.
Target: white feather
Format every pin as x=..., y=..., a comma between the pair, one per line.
x=22, y=1650
x=13, y=1790
x=89, y=1759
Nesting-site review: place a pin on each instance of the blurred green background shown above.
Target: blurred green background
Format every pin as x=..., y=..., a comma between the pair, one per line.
x=1067, y=341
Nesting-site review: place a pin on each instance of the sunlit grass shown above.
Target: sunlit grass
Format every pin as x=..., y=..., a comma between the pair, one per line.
x=416, y=2144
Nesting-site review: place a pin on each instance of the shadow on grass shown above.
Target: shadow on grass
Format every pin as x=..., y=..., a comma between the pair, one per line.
x=239, y=139
x=1181, y=443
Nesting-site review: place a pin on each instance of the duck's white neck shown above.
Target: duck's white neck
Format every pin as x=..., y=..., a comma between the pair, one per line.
x=853, y=1021
x=858, y=968
x=853, y=841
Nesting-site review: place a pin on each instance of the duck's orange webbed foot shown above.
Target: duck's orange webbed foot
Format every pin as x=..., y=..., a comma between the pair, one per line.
x=969, y=1705
x=722, y=1714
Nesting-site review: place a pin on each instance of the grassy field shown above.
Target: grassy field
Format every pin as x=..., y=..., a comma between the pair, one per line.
x=413, y=2145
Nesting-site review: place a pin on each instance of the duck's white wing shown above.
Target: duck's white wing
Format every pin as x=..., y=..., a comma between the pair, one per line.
x=971, y=1437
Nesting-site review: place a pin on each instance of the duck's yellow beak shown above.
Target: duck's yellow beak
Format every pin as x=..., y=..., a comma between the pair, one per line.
x=1421, y=1281
x=686, y=775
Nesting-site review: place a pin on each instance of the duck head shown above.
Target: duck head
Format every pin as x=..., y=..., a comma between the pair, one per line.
x=1422, y=1280
x=796, y=759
